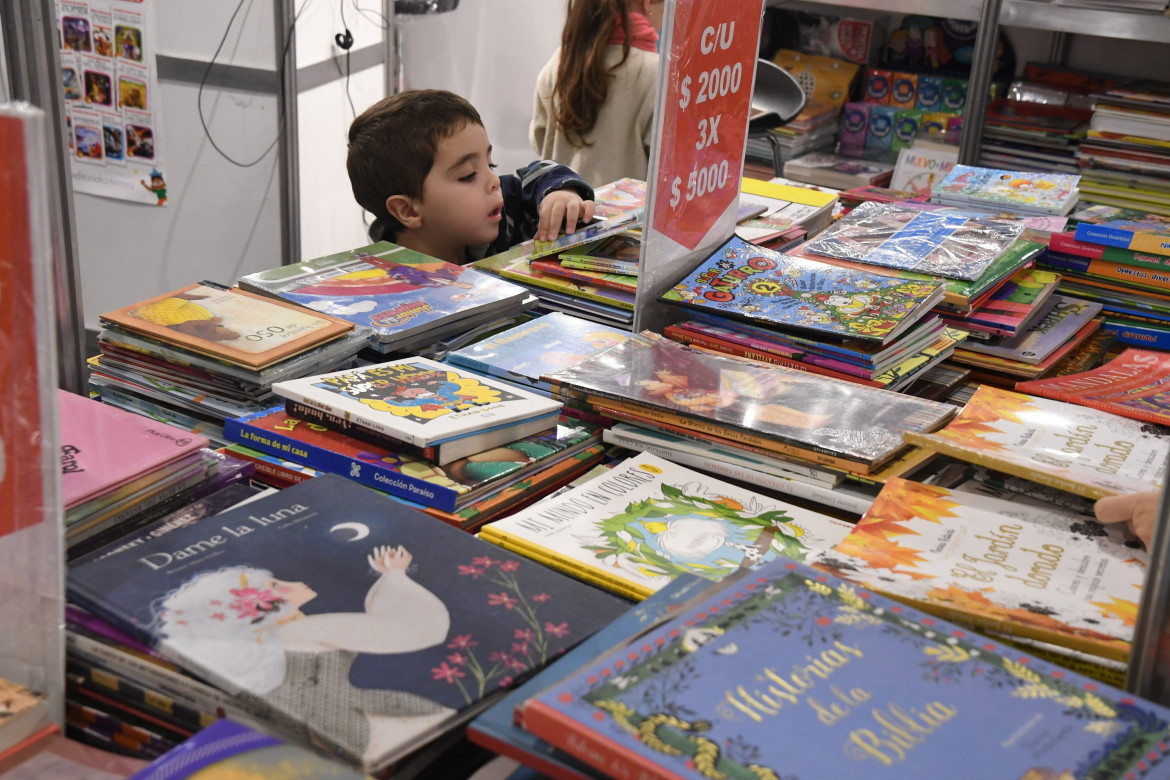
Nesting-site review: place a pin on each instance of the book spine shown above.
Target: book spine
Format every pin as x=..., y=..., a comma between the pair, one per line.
x=148, y=504
x=1105, y=406
x=1123, y=239
x=819, y=494
x=1147, y=336
x=305, y=410
x=364, y=472
x=286, y=476
x=89, y=675
x=1104, y=269
x=1064, y=242
x=544, y=763
x=554, y=268
x=589, y=292
x=577, y=740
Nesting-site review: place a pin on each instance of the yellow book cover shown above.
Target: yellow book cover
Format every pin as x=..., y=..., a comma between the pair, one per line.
x=801, y=195
x=1084, y=451
x=1019, y=567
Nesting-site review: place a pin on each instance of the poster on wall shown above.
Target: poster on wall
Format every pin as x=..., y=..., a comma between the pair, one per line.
x=110, y=82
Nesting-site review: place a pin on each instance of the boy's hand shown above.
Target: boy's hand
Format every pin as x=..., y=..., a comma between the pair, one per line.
x=562, y=207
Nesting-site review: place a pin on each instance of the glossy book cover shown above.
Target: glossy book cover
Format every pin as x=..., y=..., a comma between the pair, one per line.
x=787, y=656
x=858, y=423
x=1063, y=319
x=1134, y=384
x=940, y=243
x=1084, y=451
x=1001, y=564
x=765, y=287
x=1048, y=192
x=339, y=616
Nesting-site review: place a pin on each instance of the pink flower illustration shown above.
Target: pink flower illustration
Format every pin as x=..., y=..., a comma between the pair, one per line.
x=561, y=629
x=498, y=655
x=483, y=561
x=510, y=565
x=457, y=659
x=524, y=633
x=218, y=616
x=501, y=599
x=250, y=602
x=520, y=647
x=473, y=571
x=517, y=665
x=462, y=642
x=541, y=597
x=448, y=673
x=505, y=681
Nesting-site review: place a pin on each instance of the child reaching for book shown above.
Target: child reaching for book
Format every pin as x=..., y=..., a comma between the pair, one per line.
x=421, y=163
x=1137, y=510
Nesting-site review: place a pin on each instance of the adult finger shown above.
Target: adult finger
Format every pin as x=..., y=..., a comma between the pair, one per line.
x=1115, y=509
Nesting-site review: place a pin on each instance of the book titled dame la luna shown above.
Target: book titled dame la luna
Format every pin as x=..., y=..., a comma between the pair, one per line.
x=339, y=617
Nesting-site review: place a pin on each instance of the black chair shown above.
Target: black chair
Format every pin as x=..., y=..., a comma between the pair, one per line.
x=776, y=100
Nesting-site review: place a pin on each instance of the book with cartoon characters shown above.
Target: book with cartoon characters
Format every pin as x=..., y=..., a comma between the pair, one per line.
x=418, y=401
x=746, y=282
x=230, y=324
x=1010, y=565
x=339, y=617
x=395, y=291
x=1026, y=191
x=791, y=673
x=647, y=520
x=1084, y=451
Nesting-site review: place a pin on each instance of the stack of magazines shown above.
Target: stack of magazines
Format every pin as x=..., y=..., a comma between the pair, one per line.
x=1023, y=191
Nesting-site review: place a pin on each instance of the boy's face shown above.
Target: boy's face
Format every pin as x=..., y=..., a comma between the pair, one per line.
x=461, y=201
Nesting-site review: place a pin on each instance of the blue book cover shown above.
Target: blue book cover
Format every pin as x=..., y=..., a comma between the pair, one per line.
x=1138, y=334
x=540, y=346
x=496, y=728
x=339, y=616
x=790, y=673
x=393, y=290
x=764, y=287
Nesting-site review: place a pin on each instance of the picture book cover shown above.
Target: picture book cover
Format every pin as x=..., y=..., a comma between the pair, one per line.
x=1015, y=304
x=1054, y=193
x=881, y=690
x=1084, y=451
x=1063, y=319
x=648, y=520
x=103, y=448
x=446, y=487
x=610, y=279
x=618, y=197
x=540, y=346
x=417, y=400
x=231, y=324
x=1000, y=564
x=603, y=228
x=1140, y=236
x=339, y=616
x=620, y=253
x=940, y=243
x=831, y=170
x=752, y=283
x=228, y=749
x=715, y=393
x=1004, y=369
x=1134, y=384
x=515, y=264
x=393, y=290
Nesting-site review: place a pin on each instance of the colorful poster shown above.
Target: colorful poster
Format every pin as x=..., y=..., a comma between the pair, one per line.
x=110, y=83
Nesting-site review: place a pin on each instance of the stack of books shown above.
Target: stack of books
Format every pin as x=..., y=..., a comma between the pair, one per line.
x=1122, y=266
x=1131, y=385
x=198, y=355
x=844, y=173
x=408, y=301
x=1027, y=192
x=1126, y=155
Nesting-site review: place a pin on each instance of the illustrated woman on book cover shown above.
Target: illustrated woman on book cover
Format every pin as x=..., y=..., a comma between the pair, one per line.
x=247, y=626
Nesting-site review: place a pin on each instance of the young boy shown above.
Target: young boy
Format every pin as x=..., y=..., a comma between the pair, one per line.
x=420, y=162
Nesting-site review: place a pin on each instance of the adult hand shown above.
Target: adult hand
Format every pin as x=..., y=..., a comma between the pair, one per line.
x=562, y=208
x=1138, y=510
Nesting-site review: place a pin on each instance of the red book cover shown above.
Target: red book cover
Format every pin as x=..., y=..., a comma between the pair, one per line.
x=1135, y=384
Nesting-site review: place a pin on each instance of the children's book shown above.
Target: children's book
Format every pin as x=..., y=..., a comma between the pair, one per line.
x=618, y=223
x=853, y=427
x=939, y=243
x=394, y=291
x=1009, y=565
x=746, y=282
x=417, y=401
x=445, y=488
x=1063, y=318
x=1005, y=371
x=1014, y=306
x=1084, y=451
x=1151, y=236
x=240, y=327
x=1069, y=245
x=617, y=254
x=515, y=264
x=609, y=279
x=1043, y=193
x=919, y=167
x=876, y=690
x=1134, y=384
x=843, y=173
x=340, y=617
x=648, y=520
x=540, y=346
x=104, y=448
x=618, y=197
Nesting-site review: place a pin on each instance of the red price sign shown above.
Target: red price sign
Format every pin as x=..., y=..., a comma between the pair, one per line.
x=700, y=160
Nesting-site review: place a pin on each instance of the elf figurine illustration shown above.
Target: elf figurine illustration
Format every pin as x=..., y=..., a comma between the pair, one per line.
x=157, y=185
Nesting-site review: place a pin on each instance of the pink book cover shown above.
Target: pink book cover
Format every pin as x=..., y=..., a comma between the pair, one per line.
x=103, y=447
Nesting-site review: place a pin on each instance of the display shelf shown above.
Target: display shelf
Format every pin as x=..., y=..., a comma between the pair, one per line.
x=955, y=9
x=1130, y=25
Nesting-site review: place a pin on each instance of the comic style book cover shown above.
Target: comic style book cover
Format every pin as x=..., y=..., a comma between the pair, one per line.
x=764, y=287
x=648, y=520
x=878, y=689
x=1045, y=193
x=541, y=346
x=1083, y=451
x=939, y=243
x=416, y=400
x=1134, y=384
x=339, y=617
x=393, y=290
x=735, y=398
x=1007, y=565
x=240, y=327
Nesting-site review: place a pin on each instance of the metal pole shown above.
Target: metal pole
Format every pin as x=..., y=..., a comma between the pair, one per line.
x=34, y=67
x=1149, y=659
x=390, y=81
x=284, y=18
x=982, y=65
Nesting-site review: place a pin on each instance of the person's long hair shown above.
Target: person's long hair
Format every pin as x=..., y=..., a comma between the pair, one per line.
x=582, y=76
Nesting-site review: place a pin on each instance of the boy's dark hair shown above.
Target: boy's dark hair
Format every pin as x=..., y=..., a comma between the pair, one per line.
x=392, y=147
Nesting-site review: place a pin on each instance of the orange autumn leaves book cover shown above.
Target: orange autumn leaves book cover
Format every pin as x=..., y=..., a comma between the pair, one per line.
x=1016, y=567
